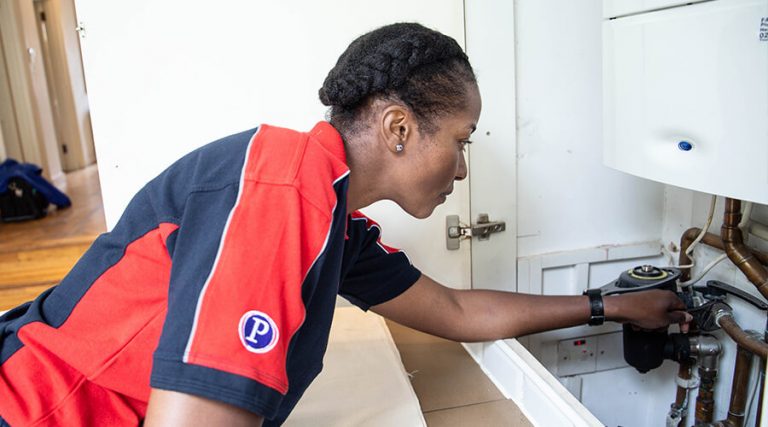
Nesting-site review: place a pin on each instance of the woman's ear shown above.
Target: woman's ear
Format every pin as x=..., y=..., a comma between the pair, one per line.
x=396, y=127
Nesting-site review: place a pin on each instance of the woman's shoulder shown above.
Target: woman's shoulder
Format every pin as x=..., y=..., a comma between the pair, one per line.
x=218, y=163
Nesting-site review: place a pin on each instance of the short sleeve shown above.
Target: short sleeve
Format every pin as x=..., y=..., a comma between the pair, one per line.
x=375, y=272
x=235, y=295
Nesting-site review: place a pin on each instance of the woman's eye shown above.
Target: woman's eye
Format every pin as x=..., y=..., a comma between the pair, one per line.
x=463, y=144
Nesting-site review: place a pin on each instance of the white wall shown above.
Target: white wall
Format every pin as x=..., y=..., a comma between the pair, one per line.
x=567, y=199
x=579, y=223
x=166, y=77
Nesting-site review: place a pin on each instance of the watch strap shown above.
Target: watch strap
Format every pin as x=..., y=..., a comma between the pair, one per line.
x=596, y=307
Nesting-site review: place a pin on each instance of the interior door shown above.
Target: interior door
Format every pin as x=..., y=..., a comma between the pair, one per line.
x=491, y=188
x=8, y=126
x=60, y=45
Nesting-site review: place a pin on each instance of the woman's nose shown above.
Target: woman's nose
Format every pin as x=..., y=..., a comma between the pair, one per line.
x=461, y=172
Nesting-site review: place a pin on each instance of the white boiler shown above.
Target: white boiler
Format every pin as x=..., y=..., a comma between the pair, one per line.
x=686, y=93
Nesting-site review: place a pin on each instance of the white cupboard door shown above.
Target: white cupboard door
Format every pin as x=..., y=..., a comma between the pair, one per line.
x=166, y=77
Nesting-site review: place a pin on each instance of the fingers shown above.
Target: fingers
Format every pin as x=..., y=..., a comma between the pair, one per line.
x=678, y=304
x=678, y=316
x=675, y=303
x=657, y=309
x=682, y=318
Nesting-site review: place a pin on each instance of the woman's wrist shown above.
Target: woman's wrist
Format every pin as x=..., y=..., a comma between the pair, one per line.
x=612, y=306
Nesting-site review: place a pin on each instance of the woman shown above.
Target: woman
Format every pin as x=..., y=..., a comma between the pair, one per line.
x=211, y=300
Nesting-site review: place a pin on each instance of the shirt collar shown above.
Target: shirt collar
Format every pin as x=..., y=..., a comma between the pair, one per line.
x=330, y=139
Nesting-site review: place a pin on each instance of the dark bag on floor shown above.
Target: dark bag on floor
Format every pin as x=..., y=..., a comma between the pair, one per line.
x=24, y=193
x=21, y=202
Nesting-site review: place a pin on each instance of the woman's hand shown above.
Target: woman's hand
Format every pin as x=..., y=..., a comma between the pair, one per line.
x=652, y=309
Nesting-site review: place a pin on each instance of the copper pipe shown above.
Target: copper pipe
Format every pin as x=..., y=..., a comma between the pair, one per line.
x=751, y=264
x=705, y=401
x=739, y=387
x=721, y=423
x=761, y=256
x=761, y=388
x=681, y=399
x=743, y=339
x=707, y=350
x=709, y=239
x=737, y=251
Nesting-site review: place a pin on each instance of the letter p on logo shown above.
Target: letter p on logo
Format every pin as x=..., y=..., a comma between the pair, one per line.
x=258, y=332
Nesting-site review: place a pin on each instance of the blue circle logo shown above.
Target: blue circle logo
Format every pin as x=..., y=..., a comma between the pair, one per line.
x=258, y=332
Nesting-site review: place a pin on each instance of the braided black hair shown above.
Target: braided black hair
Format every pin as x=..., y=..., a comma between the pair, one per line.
x=406, y=62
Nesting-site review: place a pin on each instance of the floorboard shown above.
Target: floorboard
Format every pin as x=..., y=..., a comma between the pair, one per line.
x=35, y=255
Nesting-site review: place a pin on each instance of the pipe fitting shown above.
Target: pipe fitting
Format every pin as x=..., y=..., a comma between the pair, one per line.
x=675, y=416
x=737, y=251
x=720, y=312
x=707, y=350
x=722, y=423
x=705, y=400
x=687, y=383
x=680, y=407
x=712, y=240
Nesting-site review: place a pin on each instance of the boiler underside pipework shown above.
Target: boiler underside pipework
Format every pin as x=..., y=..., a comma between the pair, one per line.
x=646, y=350
x=749, y=343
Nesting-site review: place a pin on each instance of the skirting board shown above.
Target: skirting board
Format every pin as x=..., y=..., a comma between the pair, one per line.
x=521, y=378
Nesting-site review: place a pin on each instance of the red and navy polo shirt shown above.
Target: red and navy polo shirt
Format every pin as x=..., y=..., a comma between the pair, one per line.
x=219, y=280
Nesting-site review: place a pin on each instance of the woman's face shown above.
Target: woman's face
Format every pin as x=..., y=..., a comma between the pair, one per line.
x=437, y=160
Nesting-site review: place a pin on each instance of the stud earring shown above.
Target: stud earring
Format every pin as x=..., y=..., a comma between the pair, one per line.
x=399, y=147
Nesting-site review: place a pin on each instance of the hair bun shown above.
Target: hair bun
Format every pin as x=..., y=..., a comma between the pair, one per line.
x=420, y=68
x=383, y=60
x=342, y=91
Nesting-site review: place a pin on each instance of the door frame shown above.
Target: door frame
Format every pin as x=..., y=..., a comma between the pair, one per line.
x=490, y=44
x=9, y=132
x=29, y=89
x=69, y=103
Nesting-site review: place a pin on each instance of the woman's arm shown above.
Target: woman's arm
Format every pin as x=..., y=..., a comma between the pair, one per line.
x=170, y=408
x=483, y=315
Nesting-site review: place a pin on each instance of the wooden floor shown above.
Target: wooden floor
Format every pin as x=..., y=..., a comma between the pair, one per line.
x=451, y=387
x=35, y=255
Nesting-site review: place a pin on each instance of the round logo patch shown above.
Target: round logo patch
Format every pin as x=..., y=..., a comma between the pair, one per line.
x=258, y=332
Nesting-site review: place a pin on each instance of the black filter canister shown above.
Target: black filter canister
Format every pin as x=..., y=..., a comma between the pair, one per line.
x=644, y=350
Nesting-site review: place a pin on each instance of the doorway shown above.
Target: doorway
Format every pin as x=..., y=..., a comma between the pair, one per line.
x=45, y=120
x=59, y=37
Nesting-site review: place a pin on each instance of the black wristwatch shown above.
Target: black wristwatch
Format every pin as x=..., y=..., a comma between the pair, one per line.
x=597, y=310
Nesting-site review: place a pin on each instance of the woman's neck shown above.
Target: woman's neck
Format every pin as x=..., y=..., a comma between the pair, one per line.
x=367, y=176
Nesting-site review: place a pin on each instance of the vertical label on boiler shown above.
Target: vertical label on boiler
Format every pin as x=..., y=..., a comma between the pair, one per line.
x=764, y=29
